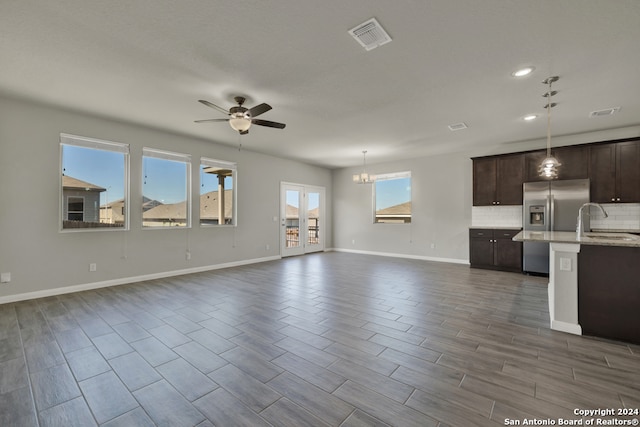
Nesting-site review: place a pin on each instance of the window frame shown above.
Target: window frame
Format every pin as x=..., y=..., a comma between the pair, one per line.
x=388, y=177
x=233, y=166
x=174, y=157
x=94, y=144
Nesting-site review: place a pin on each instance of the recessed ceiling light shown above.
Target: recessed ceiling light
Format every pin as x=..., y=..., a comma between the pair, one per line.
x=530, y=117
x=457, y=126
x=605, y=112
x=525, y=71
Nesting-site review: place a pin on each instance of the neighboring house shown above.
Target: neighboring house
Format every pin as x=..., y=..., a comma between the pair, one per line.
x=167, y=215
x=175, y=214
x=395, y=214
x=81, y=200
x=112, y=213
x=210, y=205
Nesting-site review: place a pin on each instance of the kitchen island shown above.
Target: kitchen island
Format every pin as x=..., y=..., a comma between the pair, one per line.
x=593, y=282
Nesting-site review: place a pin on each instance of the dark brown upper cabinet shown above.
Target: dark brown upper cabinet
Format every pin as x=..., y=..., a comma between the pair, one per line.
x=615, y=172
x=497, y=180
x=574, y=160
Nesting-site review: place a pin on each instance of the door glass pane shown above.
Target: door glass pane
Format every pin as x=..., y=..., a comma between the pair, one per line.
x=293, y=218
x=313, y=217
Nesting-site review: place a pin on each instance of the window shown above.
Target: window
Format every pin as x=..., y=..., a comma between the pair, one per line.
x=217, y=192
x=94, y=183
x=166, y=191
x=75, y=208
x=392, y=198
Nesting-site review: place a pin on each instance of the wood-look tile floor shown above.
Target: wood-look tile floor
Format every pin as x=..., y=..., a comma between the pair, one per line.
x=328, y=339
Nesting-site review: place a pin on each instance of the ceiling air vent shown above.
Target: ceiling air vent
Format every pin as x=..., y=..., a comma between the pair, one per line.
x=605, y=112
x=370, y=34
x=457, y=126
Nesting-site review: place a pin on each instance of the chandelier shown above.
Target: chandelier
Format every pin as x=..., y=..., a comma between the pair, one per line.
x=363, y=177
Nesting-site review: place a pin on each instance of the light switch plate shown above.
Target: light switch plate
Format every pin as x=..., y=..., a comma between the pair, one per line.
x=565, y=264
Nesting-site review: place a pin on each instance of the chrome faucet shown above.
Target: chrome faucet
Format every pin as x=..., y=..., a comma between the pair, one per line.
x=580, y=227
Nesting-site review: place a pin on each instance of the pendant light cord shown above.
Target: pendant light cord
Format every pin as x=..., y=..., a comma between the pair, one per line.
x=549, y=121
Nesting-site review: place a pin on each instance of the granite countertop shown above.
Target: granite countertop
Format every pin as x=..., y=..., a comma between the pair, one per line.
x=601, y=239
x=490, y=227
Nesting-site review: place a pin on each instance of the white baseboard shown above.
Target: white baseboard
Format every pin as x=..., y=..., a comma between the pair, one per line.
x=395, y=255
x=127, y=280
x=570, y=328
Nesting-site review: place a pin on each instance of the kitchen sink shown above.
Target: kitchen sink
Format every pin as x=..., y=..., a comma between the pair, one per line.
x=611, y=237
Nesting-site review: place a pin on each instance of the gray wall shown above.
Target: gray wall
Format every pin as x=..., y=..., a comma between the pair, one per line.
x=442, y=201
x=441, y=210
x=41, y=259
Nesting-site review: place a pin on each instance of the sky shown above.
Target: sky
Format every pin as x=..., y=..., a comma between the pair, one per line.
x=165, y=180
x=162, y=180
x=392, y=192
x=99, y=167
x=313, y=199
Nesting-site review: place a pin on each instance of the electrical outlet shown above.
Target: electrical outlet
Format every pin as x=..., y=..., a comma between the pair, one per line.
x=353, y=242
x=433, y=246
x=93, y=266
x=187, y=256
x=267, y=247
x=565, y=264
x=5, y=277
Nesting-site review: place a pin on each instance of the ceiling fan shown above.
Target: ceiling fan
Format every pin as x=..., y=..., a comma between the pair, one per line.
x=241, y=118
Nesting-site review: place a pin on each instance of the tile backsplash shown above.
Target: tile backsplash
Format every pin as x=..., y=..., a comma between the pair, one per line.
x=622, y=216
x=496, y=216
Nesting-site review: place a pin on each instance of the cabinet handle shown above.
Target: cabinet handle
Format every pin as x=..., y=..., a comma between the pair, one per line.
x=618, y=199
x=613, y=199
x=497, y=203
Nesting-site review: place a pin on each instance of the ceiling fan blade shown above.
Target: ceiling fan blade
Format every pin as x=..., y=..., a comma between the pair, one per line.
x=259, y=109
x=268, y=123
x=211, y=120
x=214, y=106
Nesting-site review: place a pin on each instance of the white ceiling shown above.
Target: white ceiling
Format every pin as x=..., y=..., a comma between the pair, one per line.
x=450, y=61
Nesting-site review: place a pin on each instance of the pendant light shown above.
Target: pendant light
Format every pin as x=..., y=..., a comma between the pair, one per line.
x=363, y=177
x=549, y=167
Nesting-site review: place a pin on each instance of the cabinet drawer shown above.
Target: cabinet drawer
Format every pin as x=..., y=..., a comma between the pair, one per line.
x=481, y=232
x=504, y=234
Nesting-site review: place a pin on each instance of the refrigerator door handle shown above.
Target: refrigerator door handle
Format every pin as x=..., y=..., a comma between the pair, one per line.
x=551, y=203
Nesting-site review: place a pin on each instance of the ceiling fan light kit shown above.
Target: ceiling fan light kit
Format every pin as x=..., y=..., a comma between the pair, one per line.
x=240, y=122
x=241, y=118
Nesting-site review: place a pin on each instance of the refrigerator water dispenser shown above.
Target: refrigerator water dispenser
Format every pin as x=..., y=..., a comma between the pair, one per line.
x=536, y=215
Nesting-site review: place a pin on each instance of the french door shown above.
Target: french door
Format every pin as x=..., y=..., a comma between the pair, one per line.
x=301, y=219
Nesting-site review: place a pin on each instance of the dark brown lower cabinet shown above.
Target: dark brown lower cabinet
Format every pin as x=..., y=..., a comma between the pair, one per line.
x=494, y=249
x=608, y=292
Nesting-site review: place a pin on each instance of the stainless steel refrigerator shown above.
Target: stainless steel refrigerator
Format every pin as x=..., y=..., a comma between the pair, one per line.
x=550, y=206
